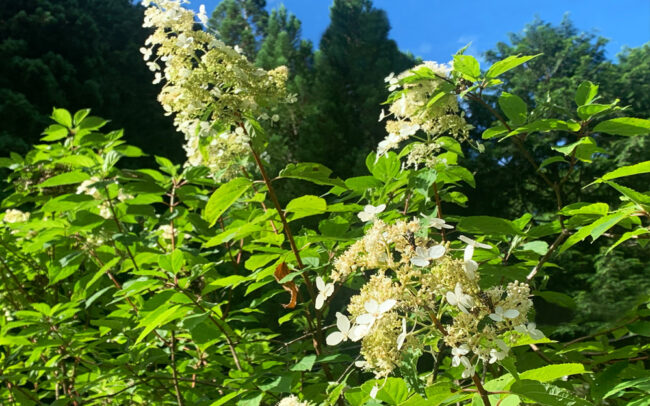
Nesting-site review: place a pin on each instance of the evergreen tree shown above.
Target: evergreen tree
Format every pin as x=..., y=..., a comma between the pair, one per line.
x=354, y=58
x=241, y=23
x=282, y=44
x=78, y=54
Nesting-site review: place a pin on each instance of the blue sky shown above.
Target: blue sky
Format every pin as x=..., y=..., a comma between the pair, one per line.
x=435, y=29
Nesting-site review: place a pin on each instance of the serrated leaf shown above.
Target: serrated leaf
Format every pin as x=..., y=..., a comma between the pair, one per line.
x=305, y=206
x=305, y=364
x=68, y=178
x=506, y=64
x=590, y=110
x=393, y=392
x=514, y=107
x=627, y=236
x=546, y=394
x=224, y=197
x=626, y=126
x=160, y=319
x=494, y=132
x=639, y=382
x=629, y=170
x=595, y=229
x=468, y=66
x=586, y=93
x=550, y=373
x=55, y=132
x=62, y=116
x=80, y=115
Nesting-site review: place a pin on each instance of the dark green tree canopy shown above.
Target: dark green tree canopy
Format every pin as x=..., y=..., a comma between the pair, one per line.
x=77, y=53
x=241, y=23
x=355, y=56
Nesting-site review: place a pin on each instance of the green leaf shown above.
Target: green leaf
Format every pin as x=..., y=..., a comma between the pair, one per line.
x=386, y=168
x=590, y=110
x=110, y=159
x=305, y=364
x=14, y=340
x=639, y=382
x=637, y=197
x=166, y=165
x=494, y=132
x=80, y=115
x=586, y=93
x=159, y=319
x=641, y=328
x=508, y=63
x=313, y=172
x=550, y=373
x=487, y=225
x=627, y=126
x=92, y=123
x=514, y=108
x=225, y=398
x=627, y=236
x=606, y=380
x=356, y=396
x=599, y=209
x=438, y=392
x=307, y=205
x=281, y=384
x=544, y=125
x=539, y=247
x=584, y=148
x=546, y=394
x=551, y=160
x=68, y=178
x=629, y=170
x=55, y=132
x=451, y=145
x=422, y=180
x=595, y=229
x=252, y=399
x=393, y=392
x=468, y=66
x=177, y=261
x=361, y=184
x=62, y=116
x=224, y=197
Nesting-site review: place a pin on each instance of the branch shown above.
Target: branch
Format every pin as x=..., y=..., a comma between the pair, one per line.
x=559, y=240
x=179, y=398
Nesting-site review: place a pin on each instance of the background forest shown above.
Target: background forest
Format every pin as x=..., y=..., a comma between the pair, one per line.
x=85, y=53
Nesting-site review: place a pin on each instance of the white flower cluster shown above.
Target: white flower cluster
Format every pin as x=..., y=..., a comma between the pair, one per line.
x=89, y=187
x=416, y=282
x=15, y=216
x=209, y=87
x=292, y=401
x=420, y=104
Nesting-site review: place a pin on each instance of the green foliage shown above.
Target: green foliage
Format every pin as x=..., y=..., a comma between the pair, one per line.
x=129, y=285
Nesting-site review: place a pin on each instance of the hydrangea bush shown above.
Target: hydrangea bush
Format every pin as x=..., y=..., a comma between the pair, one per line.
x=193, y=285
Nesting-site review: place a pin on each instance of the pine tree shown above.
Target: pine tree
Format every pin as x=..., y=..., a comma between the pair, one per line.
x=241, y=23
x=282, y=44
x=354, y=58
